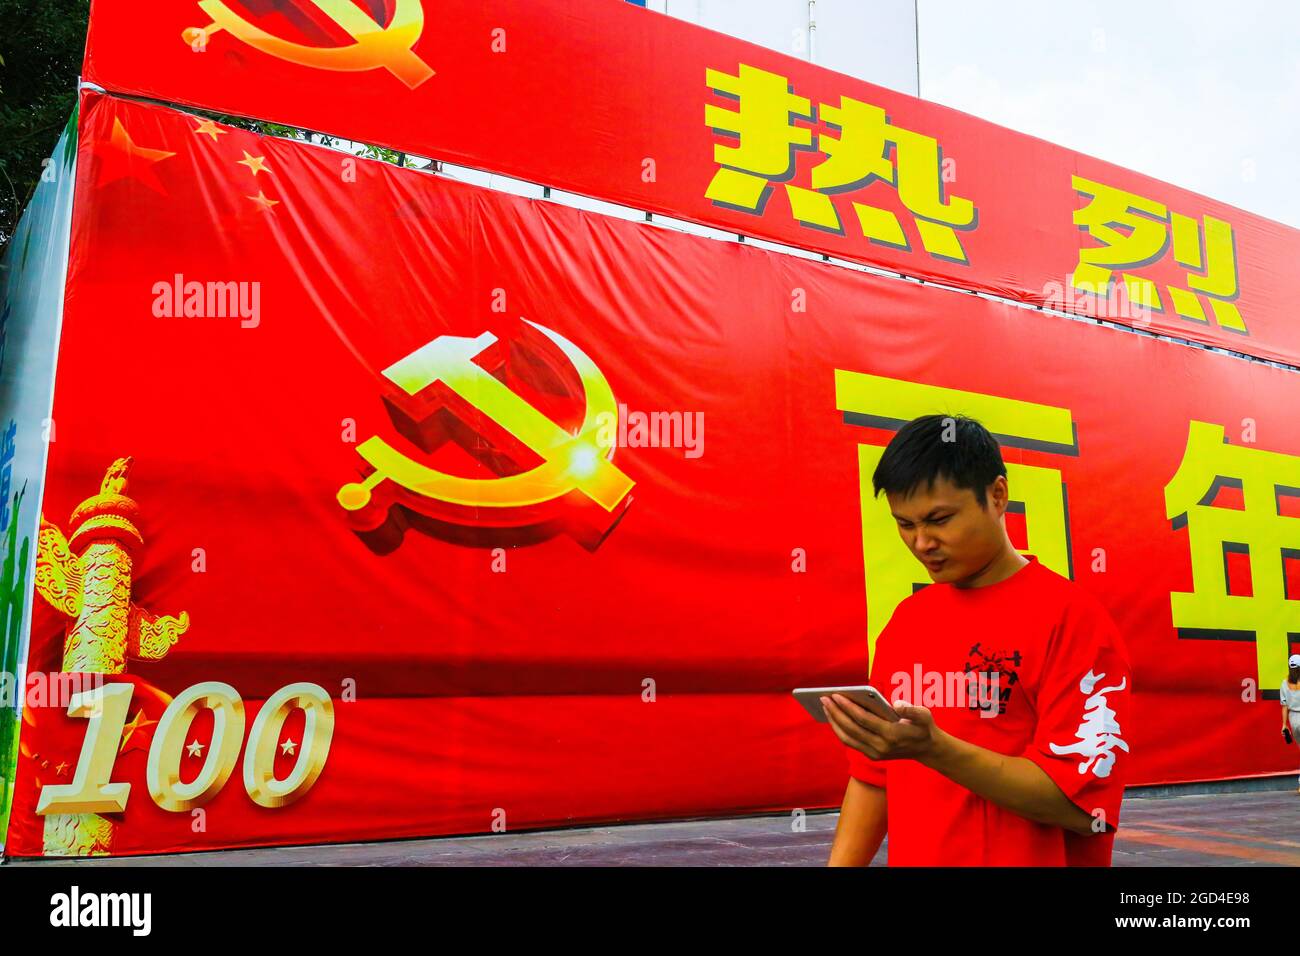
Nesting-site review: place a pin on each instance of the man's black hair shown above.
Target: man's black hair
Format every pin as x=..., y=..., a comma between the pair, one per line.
x=954, y=447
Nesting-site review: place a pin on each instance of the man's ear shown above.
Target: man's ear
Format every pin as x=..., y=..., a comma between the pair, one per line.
x=1000, y=495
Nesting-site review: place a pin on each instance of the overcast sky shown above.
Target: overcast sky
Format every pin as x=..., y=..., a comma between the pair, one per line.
x=1202, y=94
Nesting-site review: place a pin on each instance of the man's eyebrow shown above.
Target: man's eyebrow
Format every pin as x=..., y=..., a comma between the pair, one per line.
x=929, y=514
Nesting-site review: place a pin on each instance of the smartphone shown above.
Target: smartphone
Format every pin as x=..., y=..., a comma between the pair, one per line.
x=864, y=695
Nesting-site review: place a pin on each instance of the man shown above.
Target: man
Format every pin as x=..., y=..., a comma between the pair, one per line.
x=1025, y=763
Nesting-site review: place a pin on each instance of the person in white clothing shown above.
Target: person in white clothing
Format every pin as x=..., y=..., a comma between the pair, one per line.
x=1291, y=702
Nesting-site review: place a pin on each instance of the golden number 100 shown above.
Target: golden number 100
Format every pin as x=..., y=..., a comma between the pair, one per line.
x=105, y=708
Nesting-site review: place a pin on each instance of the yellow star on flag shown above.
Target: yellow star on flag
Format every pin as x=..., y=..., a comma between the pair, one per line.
x=256, y=163
x=136, y=726
x=195, y=749
x=288, y=747
x=209, y=128
x=262, y=201
x=120, y=158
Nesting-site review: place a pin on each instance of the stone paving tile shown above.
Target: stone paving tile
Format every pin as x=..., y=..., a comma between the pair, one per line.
x=1217, y=829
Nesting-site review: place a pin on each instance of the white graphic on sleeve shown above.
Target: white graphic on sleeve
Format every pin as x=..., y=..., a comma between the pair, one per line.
x=1099, y=734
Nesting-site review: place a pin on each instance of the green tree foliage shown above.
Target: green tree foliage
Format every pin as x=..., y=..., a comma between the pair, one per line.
x=41, y=46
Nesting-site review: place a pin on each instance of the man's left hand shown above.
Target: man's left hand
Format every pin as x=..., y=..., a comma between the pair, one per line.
x=915, y=736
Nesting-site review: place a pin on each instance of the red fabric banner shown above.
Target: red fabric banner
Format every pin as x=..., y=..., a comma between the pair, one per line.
x=327, y=517
x=606, y=99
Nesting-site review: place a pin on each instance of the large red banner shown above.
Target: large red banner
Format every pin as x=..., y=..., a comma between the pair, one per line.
x=603, y=98
x=380, y=505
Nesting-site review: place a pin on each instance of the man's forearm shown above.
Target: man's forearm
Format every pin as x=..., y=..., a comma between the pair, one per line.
x=861, y=829
x=1016, y=783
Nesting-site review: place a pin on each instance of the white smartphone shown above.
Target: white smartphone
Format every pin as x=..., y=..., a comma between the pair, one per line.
x=864, y=695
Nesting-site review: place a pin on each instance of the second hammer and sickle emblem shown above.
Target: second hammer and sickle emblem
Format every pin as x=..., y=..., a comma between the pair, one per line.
x=442, y=391
x=375, y=46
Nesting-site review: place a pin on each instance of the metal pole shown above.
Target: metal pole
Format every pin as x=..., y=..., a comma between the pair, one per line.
x=916, y=23
x=812, y=31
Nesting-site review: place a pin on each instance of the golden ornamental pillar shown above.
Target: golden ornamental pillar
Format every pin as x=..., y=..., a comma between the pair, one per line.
x=86, y=577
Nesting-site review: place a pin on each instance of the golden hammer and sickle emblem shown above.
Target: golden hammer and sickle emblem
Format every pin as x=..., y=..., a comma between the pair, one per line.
x=376, y=46
x=574, y=466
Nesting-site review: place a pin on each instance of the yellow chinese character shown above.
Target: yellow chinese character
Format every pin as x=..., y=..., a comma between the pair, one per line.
x=1134, y=232
x=858, y=155
x=1259, y=529
x=892, y=574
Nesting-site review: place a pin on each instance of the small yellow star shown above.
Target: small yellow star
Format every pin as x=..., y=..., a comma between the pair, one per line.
x=262, y=200
x=195, y=749
x=256, y=163
x=209, y=128
x=130, y=732
x=62, y=768
x=288, y=747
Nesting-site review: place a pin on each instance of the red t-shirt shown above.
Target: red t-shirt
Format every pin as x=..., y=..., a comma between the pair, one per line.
x=1049, y=681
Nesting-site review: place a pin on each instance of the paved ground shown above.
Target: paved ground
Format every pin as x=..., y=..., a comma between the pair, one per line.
x=1256, y=828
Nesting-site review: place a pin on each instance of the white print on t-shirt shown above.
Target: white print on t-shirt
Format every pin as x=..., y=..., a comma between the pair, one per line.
x=1099, y=733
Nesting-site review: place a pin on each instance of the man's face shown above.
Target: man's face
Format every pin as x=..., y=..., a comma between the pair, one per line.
x=947, y=530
